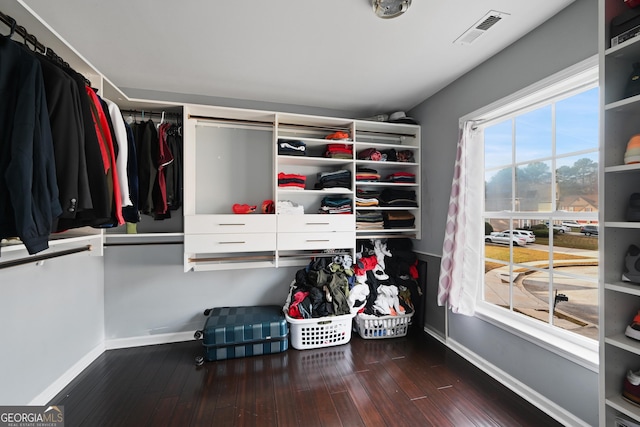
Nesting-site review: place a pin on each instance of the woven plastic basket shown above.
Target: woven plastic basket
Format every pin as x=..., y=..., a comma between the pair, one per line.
x=377, y=327
x=320, y=332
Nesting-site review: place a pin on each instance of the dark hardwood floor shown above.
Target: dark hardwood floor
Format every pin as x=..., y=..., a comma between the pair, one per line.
x=408, y=381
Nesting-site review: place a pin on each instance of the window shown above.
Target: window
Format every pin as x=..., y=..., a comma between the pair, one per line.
x=541, y=156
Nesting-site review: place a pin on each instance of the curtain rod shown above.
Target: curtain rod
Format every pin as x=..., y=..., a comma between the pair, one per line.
x=43, y=257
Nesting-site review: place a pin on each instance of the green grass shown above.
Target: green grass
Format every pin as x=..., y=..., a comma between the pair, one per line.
x=571, y=241
x=520, y=255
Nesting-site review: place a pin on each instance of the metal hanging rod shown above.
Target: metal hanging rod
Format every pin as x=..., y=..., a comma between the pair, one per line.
x=228, y=120
x=14, y=28
x=36, y=258
x=151, y=112
x=21, y=31
x=386, y=236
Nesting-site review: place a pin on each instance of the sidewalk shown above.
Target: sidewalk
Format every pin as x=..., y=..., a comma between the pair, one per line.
x=578, y=312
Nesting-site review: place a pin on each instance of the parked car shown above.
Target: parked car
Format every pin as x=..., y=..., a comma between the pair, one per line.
x=589, y=230
x=572, y=224
x=560, y=228
x=526, y=234
x=505, y=238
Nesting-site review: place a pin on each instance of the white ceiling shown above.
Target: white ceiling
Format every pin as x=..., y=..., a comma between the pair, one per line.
x=329, y=53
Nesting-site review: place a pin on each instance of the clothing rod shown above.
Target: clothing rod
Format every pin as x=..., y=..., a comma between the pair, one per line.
x=224, y=119
x=150, y=112
x=387, y=236
x=235, y=258
x=43, y=257
x=14, y=28
x=320, y=127
x=142, y=243
x=22, y=32
x=386, y=133
x=313, y=255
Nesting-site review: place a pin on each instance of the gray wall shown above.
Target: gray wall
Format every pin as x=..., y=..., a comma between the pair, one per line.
x=569, y=37
x=147, y=292
x=52, y=316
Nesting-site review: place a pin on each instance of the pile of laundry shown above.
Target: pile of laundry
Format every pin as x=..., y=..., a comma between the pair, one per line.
x=385, y=278
x=321, y=288
x=381, y=281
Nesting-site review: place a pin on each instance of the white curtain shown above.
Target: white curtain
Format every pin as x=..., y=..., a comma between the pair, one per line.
x=461, y=268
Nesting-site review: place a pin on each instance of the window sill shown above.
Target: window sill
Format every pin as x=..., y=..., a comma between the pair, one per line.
x=580, y=350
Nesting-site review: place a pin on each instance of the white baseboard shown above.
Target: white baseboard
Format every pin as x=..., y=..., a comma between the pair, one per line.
x=64, y=380
x=140, y=341
x=435, y=334
x=535, y=398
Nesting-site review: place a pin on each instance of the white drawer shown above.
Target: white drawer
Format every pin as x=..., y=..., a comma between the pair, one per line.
x=315, y=222
x=301, y=241
x=220, y=243
x=241, y=223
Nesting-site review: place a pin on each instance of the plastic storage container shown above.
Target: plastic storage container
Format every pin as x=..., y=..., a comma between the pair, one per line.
x=376, y=327
x=320, y=332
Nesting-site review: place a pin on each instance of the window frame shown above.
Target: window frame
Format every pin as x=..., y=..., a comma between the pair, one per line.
x=570, y=81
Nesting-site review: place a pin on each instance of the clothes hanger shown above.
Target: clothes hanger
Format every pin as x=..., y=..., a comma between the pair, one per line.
x=161, y=121
x=11, y=23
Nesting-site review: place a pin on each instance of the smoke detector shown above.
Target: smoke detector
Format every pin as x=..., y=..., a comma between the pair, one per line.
x=390, y=8
x=480, y=27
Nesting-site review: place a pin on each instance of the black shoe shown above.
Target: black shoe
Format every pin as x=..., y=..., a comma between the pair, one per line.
x=631, y=271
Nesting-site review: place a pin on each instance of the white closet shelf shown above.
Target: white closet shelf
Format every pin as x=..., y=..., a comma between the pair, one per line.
x=385, y=184
x=143, y=238
x=312, y=161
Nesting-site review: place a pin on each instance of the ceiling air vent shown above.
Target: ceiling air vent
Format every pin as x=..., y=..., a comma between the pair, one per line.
x=480, y=27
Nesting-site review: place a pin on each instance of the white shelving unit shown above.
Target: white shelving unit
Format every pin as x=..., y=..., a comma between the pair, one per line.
x=385, y=137
x=231, y=156
x=619, y=301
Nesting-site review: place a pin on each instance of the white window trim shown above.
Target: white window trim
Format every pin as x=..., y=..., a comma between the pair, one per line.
x=579, y=349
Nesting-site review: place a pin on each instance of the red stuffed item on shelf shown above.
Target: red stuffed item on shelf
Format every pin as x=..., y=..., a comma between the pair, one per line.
x=243, y=209
x=268, y=207
x=632, y=3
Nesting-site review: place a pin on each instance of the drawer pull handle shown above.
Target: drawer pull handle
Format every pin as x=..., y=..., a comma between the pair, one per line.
x=231, y=224
x=317, y=223
x=319, y=240
x=232, y=243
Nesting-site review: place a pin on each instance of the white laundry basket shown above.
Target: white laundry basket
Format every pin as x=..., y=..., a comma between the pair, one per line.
x=320, y=332
x=376, y=327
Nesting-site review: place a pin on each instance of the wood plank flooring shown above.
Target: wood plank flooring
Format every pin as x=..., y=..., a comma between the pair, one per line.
x=408, y=381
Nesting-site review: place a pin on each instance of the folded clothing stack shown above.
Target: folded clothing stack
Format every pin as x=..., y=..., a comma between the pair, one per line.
x=369, y=221
x=336, y=179
x=339, y=151
x=336, y=205
x=404, y=156
x=367, y=198
x=398, y=198
x=399, y=219
x=367, y=175
x=292, y=147
x=404, y=177
x=370, y=154
x=291, y=181
x=287, y=207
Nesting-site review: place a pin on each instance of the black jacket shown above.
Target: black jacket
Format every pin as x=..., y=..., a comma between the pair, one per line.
x=28, y=188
